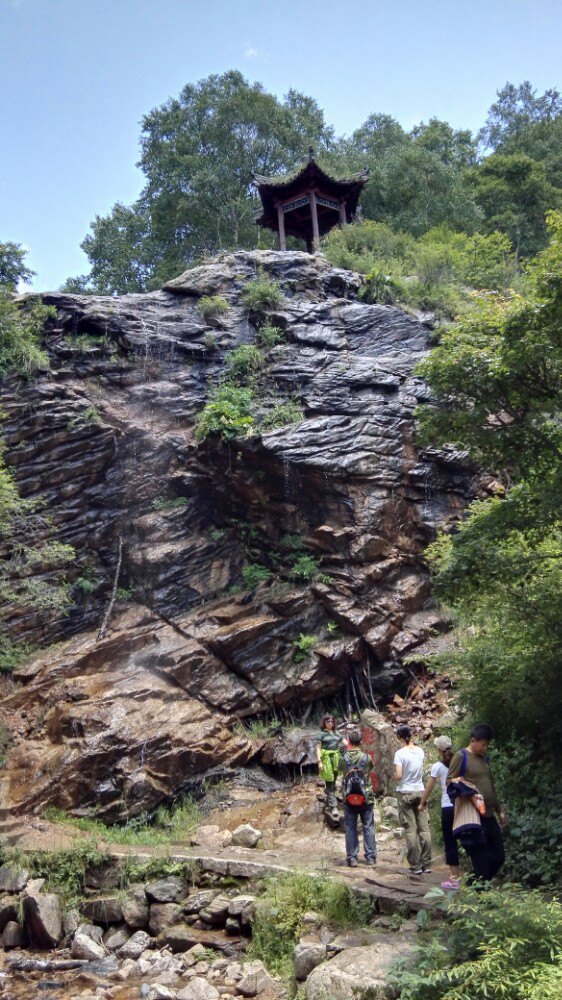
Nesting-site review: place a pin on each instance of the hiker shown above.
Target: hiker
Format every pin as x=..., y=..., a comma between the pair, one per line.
x=328, y=746
x=438, y=775
x=485, y=846
x=408, y=772
x=358, y=800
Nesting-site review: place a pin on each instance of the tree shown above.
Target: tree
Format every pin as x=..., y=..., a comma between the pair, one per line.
x=198, y=153
x=455, y=148
x=413, y=189
x=497, y=380
x=513, y=115
x=12, y=266
x=514, y=194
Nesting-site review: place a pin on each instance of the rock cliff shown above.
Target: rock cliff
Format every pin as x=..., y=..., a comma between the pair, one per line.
x=335, y=511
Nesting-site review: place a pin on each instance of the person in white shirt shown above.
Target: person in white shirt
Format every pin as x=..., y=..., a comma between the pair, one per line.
x=408, y=771
x=439, y=776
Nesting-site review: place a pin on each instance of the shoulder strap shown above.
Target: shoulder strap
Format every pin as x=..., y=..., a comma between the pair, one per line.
x=464, y=761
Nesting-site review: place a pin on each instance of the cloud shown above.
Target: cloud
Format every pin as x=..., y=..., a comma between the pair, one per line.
x=251, y=53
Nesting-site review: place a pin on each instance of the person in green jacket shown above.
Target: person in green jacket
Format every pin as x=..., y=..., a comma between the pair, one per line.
x=328, y=746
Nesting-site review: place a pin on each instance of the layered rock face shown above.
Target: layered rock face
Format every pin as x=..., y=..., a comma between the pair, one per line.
x=120, y=723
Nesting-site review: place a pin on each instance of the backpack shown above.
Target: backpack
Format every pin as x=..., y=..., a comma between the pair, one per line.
x=354, y=782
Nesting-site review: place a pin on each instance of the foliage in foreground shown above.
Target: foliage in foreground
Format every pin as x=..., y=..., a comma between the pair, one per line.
x=286, y=898
x=227, y=414
x=502, y=944
x=497, y=379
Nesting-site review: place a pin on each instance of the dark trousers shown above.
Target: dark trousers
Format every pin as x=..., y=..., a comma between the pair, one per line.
x=487, y=857
x=350, y=817
x=451, y=849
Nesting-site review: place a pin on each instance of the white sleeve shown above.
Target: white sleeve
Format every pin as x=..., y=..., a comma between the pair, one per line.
x=398, y=757
x=435, y=770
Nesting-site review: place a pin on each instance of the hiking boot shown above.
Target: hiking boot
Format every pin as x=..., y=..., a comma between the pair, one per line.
x=416, y=871
x=335, y=812
x=426, y=871
x=370, y=861
x=352, y=862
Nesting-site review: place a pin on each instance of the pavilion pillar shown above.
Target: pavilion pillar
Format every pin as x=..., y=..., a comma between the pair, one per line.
x=281, y=227
x=315, y=229
x=343, y=217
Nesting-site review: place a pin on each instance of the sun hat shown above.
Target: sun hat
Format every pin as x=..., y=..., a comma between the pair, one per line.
x=443, y=743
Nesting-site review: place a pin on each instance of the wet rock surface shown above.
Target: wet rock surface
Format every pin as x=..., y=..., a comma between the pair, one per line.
x=119, y=724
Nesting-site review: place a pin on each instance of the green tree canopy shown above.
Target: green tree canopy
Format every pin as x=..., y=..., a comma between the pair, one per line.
x=13, y=268
x=497, y=380
x=515, y=194
x=198, y=154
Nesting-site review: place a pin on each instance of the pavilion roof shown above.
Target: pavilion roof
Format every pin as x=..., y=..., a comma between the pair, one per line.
x=281, y=189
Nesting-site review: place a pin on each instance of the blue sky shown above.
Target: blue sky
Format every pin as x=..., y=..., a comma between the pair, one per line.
x=76, y=77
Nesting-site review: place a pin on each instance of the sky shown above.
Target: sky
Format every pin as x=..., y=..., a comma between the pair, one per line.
x=77, y=76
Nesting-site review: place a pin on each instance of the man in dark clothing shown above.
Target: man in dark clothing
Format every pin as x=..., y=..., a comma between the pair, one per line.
x=354, y=758
x=487, y=855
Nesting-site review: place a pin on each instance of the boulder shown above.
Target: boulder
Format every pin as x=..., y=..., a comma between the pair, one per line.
x=134, y=947
x=246, y=835
x=11, y=936
x=164, y=915
x=166, y=890
x=13, y=878
x=197, y=901
x=8, y=911
x=103, y=910
x=83, y=946
x=43, y=918
x=306, y=956
x=198, y=989
x=358, y=972
x=216, y=912
x=135, y=908
x=255, y=979
x=115, y=937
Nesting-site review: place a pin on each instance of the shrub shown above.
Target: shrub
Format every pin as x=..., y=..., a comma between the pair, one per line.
x=253, y=574
x=227, y=414
x=495, y=945
x=276, y=926
x=20, y=336
x=261, y=295
x=13, y=653
x=211, y=306
x=163, y=503
x=304, y=568
x=244, y=363
x=304, y=646
x=289, y=412
x=269, y=336
x=380, y=288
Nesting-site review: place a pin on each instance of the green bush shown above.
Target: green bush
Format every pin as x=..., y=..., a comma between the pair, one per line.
x=276, y=926
x=253, y=574
x=289, y=412
x=13, y=653
x=304, y=568
x=269, y=336
x=381, y=288
x=499, y=945
x=261, y=295
x=20, y=336
x=304, y=646
x=244, y=363
x=211, y=306
x=172, y=503
x=227, y=414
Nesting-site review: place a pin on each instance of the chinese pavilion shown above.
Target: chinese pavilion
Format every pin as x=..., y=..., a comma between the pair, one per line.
x=308, y=204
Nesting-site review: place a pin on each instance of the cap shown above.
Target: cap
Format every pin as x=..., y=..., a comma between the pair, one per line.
x=443, y=743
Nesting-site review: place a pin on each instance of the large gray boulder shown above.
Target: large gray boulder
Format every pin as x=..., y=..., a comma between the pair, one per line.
x=359, y=972
x=255, y=980
x=43, y=918
x=135, y=907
